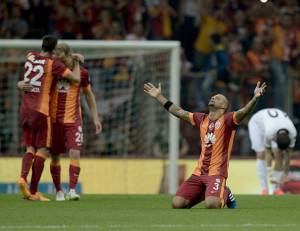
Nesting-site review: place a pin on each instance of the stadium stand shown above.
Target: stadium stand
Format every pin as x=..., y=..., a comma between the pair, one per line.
x=226, y=46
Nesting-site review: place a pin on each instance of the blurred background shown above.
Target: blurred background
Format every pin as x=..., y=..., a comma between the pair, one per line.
x=226, y=47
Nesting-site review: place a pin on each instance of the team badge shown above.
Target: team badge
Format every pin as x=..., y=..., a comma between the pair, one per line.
x=211, y=126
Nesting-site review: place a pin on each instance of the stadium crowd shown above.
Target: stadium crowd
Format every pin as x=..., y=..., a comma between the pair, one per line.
x=227, y=45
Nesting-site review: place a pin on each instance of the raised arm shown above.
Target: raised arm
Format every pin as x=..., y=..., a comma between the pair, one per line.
x=175, y=110
x=246, y=110
x=74, y=75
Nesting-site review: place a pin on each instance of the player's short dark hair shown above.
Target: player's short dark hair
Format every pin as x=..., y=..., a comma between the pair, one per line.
x=282, y=139
x=49, y=43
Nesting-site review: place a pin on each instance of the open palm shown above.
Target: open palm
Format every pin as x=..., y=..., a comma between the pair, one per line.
x=260, y=89
x=151, y=90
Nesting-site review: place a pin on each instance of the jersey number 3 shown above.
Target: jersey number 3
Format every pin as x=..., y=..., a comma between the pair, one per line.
x=38, y=69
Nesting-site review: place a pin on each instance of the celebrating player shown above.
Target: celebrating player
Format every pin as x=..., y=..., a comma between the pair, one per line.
x=272, y=133
x=40, y=71
x=217, y=130
x=67, y=122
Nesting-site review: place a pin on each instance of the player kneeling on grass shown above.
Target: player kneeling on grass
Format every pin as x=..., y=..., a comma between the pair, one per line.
x=273, y=135
x=67, y=122
x=217, y=130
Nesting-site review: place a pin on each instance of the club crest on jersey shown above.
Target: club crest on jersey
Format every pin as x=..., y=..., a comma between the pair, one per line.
x=63, y=85
x=211, y=126
x=210, y=139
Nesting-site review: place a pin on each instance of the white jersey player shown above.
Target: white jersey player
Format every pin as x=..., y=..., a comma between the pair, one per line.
x=272, y=134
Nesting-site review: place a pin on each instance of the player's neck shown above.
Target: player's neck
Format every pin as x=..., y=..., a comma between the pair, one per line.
x=215, y=114
x=46, y=54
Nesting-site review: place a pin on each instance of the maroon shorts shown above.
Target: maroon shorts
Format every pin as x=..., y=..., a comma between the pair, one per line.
x=66, y=137
x=197, y=188
x=36, y=129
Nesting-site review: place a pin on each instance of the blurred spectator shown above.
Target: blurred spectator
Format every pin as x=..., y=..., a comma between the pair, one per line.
x=216, y=73
x=211, y=22
x=134, y=13
x=137, y=33
x=14, y=26
x=189, y=17
x=280, y=55
x=160, y=14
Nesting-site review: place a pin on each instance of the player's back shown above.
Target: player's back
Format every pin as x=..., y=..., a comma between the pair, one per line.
x=273, y=119
x=40, y=72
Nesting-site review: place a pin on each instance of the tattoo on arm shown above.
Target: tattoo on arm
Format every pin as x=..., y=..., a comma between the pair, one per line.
x=246, y=110
x=287, y=160
x=174, y=109
x=179, y=113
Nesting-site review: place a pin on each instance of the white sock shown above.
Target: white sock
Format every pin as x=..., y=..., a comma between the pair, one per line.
x=271, y=179
x=262, y=173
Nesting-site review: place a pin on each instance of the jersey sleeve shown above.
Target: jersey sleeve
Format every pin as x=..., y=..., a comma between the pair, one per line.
x=196, y=118
x=85, y=81
x=230, y=119
x=60, y=69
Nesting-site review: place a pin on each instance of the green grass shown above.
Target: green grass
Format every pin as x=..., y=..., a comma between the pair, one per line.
x=114, y=212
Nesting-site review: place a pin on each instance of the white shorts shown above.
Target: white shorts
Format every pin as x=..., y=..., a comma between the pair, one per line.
x=256, y=134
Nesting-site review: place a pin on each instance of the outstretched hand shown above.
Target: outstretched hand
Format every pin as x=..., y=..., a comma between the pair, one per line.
x=151, y=90
x=98, y=126
x=24, y=86
x=78, y=57
x=260, y=89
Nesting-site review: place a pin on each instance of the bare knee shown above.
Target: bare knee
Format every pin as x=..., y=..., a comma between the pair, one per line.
x=213, y=203
x=261, y=155
x=74, y=154
x=179, y=203
x=43, y=152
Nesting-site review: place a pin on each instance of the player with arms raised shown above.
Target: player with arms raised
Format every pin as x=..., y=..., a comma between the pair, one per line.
x=40, y=72
x=67, y=122
x=217, y=130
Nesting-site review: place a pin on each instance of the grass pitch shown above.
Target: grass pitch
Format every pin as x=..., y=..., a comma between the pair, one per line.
x=135, y=212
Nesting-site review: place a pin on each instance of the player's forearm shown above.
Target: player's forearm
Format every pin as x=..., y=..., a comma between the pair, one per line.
x=246, y=110
x=76, y=73
x=19, y=84
x=174, y=109
x=268, y=157
x=91, y=101
x=287, y=156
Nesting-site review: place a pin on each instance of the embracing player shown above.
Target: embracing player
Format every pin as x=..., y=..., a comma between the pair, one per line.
x=217, y=130
x=67, y=122
x=40, y=72
x=272, y=135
